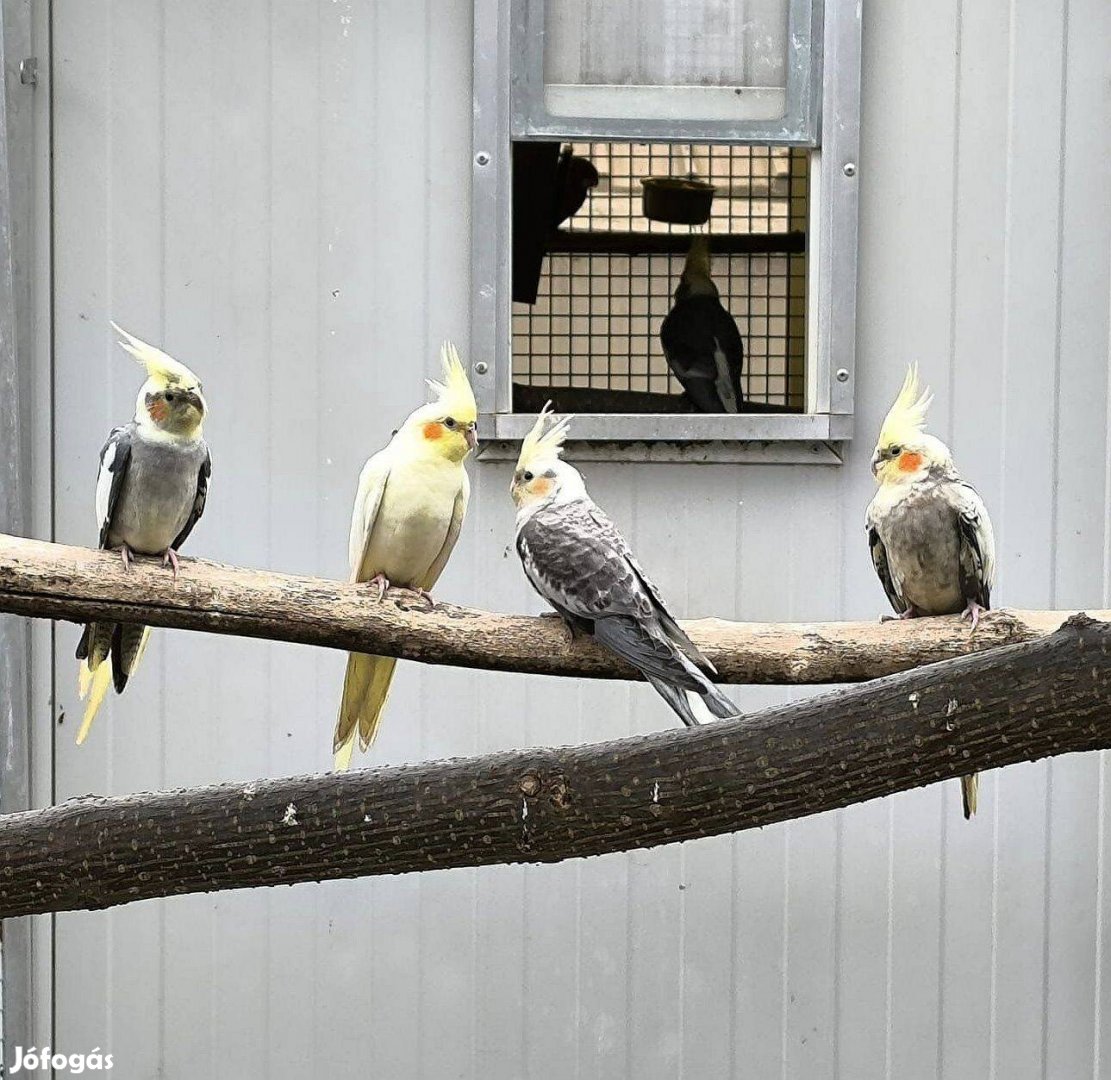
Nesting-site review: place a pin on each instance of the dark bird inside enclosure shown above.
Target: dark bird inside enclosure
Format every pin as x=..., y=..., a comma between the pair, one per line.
x=700, y=338
x=549, y=186
x=575, y=178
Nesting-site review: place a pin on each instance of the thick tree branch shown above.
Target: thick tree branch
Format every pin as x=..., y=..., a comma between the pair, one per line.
x=1013, y=704
x=56, y=582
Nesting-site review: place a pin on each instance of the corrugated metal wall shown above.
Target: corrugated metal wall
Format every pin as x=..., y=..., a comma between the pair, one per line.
x=279, y=193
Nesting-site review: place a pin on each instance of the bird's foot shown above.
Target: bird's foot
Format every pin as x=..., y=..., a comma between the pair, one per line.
x=169, y=558
x=383, y=584
x=973, y=613
x=125, y=555
x=426, y=596
x=910, y=613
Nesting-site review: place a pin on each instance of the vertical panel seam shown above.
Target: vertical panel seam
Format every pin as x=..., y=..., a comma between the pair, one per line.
x=1097, y=1027
x=1054, y=511
x=889, y=946
x=1003, y=378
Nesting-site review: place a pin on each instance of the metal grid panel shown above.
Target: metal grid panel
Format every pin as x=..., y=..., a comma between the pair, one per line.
x=597, y=317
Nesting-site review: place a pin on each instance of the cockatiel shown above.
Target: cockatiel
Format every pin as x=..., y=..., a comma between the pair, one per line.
x=929, y=531
x=550, y=185
x=580, y=564
x=575, y=177
x=408, y=512
x=150, y=492
x=700, y=339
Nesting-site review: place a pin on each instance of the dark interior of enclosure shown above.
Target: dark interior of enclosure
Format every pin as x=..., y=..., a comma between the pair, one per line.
x=591, y=339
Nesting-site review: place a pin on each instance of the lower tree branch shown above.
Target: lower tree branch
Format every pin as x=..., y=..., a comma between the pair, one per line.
x=1017, y=703
x=56, y=582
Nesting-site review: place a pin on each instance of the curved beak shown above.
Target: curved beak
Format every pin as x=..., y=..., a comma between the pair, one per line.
x=471, y=436
x=877, y=457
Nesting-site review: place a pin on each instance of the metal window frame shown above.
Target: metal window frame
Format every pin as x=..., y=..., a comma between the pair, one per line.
x=25, y=947
x=832, y=273
x=799, y=126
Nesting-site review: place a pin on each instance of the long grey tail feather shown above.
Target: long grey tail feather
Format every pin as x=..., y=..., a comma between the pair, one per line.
x=715, y=703
x=127, y=640
x=719, y=704
x=677, y=699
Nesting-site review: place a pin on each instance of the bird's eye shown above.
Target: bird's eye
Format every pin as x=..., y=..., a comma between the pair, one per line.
x=526, y=477
x=450, y=422
x=170, y=395
x=895, y=451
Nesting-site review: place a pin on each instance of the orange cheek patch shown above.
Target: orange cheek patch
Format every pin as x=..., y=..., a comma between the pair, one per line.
x=541, y=487
x=433, y=431
x=158, y=410
x=910, y=462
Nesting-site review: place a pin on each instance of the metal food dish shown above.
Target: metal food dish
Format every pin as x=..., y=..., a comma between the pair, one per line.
x=677, y=200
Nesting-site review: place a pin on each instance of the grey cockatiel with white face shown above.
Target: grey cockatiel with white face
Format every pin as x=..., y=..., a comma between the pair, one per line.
x=929, y=531
x=150, y=492
x=579, y=563
x=700, y=338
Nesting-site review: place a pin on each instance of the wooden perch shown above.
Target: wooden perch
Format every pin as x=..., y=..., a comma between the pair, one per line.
x=1012, y=704
x=55, y=582
x=593, y=399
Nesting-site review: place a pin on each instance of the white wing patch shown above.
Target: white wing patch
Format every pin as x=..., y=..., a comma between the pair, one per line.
x=970, y=503
x=372, y=483
x=104, y=484
x=722, y=381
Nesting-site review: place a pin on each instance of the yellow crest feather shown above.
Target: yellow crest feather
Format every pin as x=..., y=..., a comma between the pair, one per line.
x=455, y=393
x=162, y=369
x=698, y=263
x=907, y=416
x=538, y=444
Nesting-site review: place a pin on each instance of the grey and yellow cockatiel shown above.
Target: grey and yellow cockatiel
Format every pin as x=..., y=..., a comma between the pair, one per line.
x=409, y=509
x=580, y=564
x=700, y=338
x=929, y=531
x=150, y=492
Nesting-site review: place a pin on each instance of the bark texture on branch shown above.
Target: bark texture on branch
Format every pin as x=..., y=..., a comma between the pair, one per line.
x=56, y=582
x=1014, y=704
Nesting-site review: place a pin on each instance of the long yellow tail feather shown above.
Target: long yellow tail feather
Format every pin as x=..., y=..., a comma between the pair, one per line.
x=92, y=685
x=970, y=793
x=366, y=686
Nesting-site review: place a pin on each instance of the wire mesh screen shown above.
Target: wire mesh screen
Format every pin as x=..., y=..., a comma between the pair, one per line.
x=610, y=273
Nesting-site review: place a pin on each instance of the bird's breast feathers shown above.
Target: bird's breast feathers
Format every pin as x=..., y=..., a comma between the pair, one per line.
x=413, y=520
x=918, y=525
x=157, y=494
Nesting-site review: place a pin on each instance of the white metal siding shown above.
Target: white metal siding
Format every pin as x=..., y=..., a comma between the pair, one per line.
x=279, y=194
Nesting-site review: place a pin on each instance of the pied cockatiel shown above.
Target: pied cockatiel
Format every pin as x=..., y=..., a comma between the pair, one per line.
x=150, y=492
x=700, y=339
x=580, y=564
x=929, y=530
x=408, y=511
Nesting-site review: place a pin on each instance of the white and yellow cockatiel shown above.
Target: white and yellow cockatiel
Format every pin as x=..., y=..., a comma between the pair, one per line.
x=408, y=512
x=929, y=531
x=150, y=492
